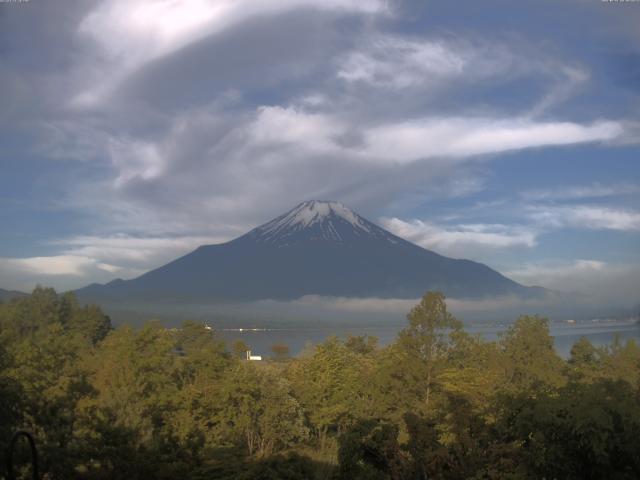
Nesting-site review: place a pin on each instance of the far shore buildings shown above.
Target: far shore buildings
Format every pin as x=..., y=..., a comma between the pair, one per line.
x=253, y=357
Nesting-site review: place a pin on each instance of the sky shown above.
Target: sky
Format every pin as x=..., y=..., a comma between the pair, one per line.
x=504, y=132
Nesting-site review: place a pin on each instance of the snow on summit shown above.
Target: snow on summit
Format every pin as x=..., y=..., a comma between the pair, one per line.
x=318, y=220
x=314, y=211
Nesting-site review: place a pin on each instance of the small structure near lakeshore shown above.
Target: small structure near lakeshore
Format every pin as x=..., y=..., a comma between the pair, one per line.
x=253, y=357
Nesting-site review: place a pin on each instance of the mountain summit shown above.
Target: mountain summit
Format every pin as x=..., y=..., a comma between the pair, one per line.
x=317, y=248
x=317, y=220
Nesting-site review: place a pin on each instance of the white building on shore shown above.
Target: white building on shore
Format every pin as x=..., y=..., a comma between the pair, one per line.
x=253, y=357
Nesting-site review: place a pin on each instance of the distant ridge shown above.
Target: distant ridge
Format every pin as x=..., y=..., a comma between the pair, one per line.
x=317, y=248
x=6, y=295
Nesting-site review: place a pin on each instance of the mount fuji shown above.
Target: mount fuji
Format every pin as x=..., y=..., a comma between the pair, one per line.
x=318, y=248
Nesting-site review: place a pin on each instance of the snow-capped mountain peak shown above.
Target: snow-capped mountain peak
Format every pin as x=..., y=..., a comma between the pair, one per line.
x=317, y=220
x=315, y=211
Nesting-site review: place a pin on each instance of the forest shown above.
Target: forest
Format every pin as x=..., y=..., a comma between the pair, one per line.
x=437, y=403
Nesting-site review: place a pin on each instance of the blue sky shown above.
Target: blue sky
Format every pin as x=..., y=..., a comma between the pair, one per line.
x=504, y=132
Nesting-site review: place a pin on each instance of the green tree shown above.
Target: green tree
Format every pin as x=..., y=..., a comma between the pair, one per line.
x=583, y=431
x=201, y=363
x=585, y=362
x=333, y=385
x=280, y=351
x=91, y=322
x=279, y=467
x=201, y=349
x=621, y=361
x=49, y=364
x=531, y=363
x=362, y=344
x=437, y=403
x=465, y=410
x=11, y=406
x=428, y=458
x=25, y=316
x=369, y=450
x=257, y=409
x=134, y=376
x=411, y=367
x=240, y=348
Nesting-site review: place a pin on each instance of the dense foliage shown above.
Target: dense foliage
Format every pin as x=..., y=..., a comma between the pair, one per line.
x=159, y=403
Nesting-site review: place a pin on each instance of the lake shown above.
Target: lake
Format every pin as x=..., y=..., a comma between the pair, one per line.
x=599, y=332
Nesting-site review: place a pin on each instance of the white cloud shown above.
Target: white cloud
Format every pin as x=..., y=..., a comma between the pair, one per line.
x=124, y=250
x=55, y=265
x=135, y=159
x=208, y=164
x=85, y=259
x=579, y=192
x=603, y=280
x=292, y=126
x=174, y=171
x=462, y=240
x=400, y=63
x=584, y=216
x=131, y=33
x=505, y=306
x=461, y=138
x=142, y=29
x=539, y=270
x=348, y=304
x=498, y=304
x=433, y=64
x=62, y=271
x=427, y=138
x=567, y=82
x=109, y=268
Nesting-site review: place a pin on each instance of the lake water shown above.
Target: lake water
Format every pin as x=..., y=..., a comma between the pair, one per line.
x=599, y=332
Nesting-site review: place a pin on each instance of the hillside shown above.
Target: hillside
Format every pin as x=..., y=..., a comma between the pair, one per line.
x=6, y=295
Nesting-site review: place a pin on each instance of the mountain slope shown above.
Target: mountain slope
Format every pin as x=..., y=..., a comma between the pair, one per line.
x=6, y=295
x=320, y=248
